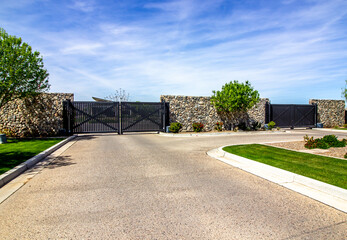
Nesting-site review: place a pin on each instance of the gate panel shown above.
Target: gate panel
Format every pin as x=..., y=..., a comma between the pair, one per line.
x=95, y=117
x=142, y=116
x=292, y=115
x=281, y=114
x=304, y=116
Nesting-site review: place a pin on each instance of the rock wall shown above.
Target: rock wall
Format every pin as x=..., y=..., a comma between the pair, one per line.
x=190, y=109
x=38, y=116
x=330, y=112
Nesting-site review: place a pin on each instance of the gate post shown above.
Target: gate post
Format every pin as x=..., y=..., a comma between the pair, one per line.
x=292, y=115
x=164, y=117
x=65, y=117
x=315, y=113
x=120, y=118
x=267, y=113
x=68, y=117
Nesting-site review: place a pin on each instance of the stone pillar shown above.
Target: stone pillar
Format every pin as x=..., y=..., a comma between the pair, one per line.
x=330, y=112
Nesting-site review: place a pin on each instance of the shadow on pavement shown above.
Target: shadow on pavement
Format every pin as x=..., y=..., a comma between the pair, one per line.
x=60, y=161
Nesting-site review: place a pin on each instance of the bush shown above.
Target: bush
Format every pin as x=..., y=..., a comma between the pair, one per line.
x=271, y=125
x=345, y=125
x=336, y=127
x=346, y=155
x=218, y=126
x=324, y=143
x=278, y=128
x=242, y=126
x=197, y=127
x=255, y=126
x=175, y=127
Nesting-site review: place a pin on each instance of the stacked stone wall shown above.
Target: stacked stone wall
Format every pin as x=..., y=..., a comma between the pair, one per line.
x=190, y=109
x=38, y=116
x=330, y=112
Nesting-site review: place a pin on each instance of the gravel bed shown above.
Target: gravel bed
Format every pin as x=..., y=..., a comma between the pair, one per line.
x=299, y=146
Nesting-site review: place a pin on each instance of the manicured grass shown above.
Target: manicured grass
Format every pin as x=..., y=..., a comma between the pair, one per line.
x=340, y=128
x=17, y=151
x=325, y=169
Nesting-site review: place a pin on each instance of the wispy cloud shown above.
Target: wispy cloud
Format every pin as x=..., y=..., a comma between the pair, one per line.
x=289, y=50
x=83, y=5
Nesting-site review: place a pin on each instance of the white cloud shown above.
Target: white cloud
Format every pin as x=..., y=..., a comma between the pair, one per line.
x=83, y=5
x=184, y=47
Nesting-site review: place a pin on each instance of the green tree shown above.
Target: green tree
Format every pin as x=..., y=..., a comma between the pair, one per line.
x=22, y=72
x=344, y=92
x=233, y=101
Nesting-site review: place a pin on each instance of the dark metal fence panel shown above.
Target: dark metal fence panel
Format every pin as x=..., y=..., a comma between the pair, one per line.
x=142, y=116
x=304, y=116
x=96, y=117
x=345, y=117
x=281, y=114
x=292, y=115
x=90, y=117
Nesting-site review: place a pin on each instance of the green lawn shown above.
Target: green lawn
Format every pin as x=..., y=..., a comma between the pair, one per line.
x=340, y=128
x=325, y=169
x=17, y=151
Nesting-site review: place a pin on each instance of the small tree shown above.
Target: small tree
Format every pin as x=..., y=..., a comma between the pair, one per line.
x=234, y=99
x=22, y=72
x=344, y=92
x=119, y=96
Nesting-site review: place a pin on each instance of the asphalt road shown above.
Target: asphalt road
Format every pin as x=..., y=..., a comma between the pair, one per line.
x=146, y=186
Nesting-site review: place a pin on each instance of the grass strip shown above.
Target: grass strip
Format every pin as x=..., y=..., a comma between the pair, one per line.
x=326, y=169
x=17, y=151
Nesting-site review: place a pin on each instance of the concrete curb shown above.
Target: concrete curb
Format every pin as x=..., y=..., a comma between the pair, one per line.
x=328, y=194
x=207, y=134
x=16, y=171
x=330, y=130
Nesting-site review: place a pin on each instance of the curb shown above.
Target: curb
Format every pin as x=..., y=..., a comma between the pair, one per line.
x=328, y=194
x=16, y=171
x=330, y=130
x=221, y=134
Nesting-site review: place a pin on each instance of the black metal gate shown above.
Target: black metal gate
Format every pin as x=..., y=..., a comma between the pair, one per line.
x=292, y=115
x=91, y=117
x=142, y=117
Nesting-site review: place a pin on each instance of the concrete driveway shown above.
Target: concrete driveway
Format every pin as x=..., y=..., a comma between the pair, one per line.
x=146, y=186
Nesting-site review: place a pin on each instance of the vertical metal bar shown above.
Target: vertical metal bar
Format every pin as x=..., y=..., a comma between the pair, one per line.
x=315, y=114
x=65, y=117
x=120, y=109
x=292, y=115
x=164, y=118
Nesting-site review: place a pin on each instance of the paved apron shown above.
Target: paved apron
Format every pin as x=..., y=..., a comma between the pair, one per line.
x=146, y=186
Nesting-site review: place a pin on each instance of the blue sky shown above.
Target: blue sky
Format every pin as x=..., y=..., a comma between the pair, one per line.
x=289, y=50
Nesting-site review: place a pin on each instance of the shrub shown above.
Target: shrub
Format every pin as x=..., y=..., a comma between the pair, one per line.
x=346, y=155
x=219, y=126
x=336, y=127
x=236, y=129
x=278, y=128
x=242, y=126
x=255, y=126
x=325, y=142
x=8, y=132
x=197, y=127
x=271, y=125
x=175, y=127
x=345, y=125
